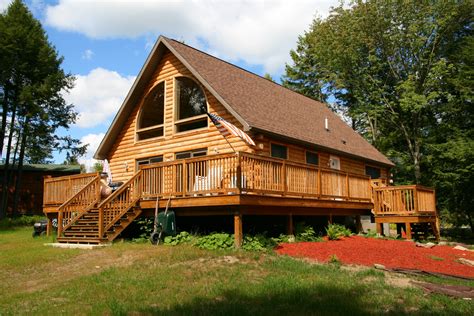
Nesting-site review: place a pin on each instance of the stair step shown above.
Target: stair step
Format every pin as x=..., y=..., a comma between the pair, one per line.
x=81, y=240
x=80, y=233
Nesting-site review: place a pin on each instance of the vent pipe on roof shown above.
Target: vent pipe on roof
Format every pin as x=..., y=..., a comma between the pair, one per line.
x=326, y=124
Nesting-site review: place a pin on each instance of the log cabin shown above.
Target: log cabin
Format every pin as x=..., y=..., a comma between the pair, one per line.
x=166, y=150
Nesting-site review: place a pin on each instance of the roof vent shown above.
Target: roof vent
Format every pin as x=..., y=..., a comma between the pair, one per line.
x=326, y=124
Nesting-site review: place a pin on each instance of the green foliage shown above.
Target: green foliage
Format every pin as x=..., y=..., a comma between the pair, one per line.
x=145, y=225
x=259, y=242
x=336, y=231
x=215, y=241
x=305, y=232
x=333, y=259
x=182, y=237
x=402, y=71
x=281, y=238
x=24, y=220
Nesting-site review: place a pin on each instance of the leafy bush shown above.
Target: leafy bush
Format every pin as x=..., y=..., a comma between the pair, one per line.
x=305, y=233
x=336, y=231
x=258, y=243
x=282, y=238
x=216, y=241
x=24, y=220
x=180, y=238
x=145, y=225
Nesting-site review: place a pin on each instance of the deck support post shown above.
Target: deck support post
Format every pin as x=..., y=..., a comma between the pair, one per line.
x=408, y=230
x=379, y=227
x=238, y=237
x=330, y=219
x=358, y=224
x=49, y=227
x=289, y=230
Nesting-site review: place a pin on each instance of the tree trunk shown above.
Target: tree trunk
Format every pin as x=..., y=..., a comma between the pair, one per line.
x=20, y=167
x=4, y=119
x=4, y=201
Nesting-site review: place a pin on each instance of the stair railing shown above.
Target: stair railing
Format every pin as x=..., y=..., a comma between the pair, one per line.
x=119, y=202
x=77, y=205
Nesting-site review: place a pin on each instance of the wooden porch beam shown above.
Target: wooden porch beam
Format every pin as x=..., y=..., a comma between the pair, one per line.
x=238, y=236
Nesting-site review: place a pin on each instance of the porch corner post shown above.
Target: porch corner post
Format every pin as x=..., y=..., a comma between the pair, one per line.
x=238, y=237
x=49, y=228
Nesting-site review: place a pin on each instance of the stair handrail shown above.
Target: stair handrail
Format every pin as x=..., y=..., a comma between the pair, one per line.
x=108, y=220
x=88, y=201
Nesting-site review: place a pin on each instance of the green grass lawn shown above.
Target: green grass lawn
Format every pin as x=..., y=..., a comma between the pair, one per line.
x=129, y=278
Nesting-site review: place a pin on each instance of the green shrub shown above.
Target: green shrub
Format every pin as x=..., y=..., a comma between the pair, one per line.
x=216, y=241
x=336, y=231
x=281, y=238
x=145, y=225
x=305, y=232
x=258, y=243
x=181, y=238
x=24, y=220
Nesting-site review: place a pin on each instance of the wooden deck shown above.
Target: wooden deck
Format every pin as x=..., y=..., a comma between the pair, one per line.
x=226, y=184
x=407, y=205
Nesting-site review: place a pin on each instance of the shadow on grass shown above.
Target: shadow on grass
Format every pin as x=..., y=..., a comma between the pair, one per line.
x=315, y=300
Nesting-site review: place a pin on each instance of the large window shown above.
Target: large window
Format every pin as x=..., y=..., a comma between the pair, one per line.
x=151, y=118
x=190, y=105
x=279, y=151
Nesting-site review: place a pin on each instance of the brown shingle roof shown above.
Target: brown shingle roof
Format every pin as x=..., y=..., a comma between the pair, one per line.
x=267, y=106
x=259, y=104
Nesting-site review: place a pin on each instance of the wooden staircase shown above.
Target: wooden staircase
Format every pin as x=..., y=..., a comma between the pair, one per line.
x=86, y=228
x=84, y=219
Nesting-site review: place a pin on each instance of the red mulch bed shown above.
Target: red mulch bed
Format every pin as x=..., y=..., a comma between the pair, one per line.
x=390, y=253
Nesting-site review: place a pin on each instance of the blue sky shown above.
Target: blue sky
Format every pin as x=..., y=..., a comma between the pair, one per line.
x=106, y=42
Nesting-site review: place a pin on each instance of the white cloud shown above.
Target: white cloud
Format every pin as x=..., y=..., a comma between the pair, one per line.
x=258, y=32
x=98, y=95
x=4, y=4
x=94, y=141
x=87, y=54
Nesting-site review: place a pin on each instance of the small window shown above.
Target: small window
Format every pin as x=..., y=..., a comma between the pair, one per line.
x=312, y=158
x=151, y=118
x=191, y=153
x=147, y=161
x=334, y=163
x=373, y=172
x=190, y=105
x=279, y=151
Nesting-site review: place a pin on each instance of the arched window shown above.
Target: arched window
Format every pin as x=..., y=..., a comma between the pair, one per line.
x=190, y=105
x=150, y=120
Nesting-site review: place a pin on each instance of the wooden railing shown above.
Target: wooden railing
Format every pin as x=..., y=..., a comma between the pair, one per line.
x=404, y=200
x=78, y=204
x=250, y=174
x=59, y=189
x=119, y=202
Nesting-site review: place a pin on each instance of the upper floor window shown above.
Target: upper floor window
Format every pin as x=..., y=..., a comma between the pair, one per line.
x=373, y=172
x=190, y=105
x=279, y=151
x=151, y=118
x=312, y=158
